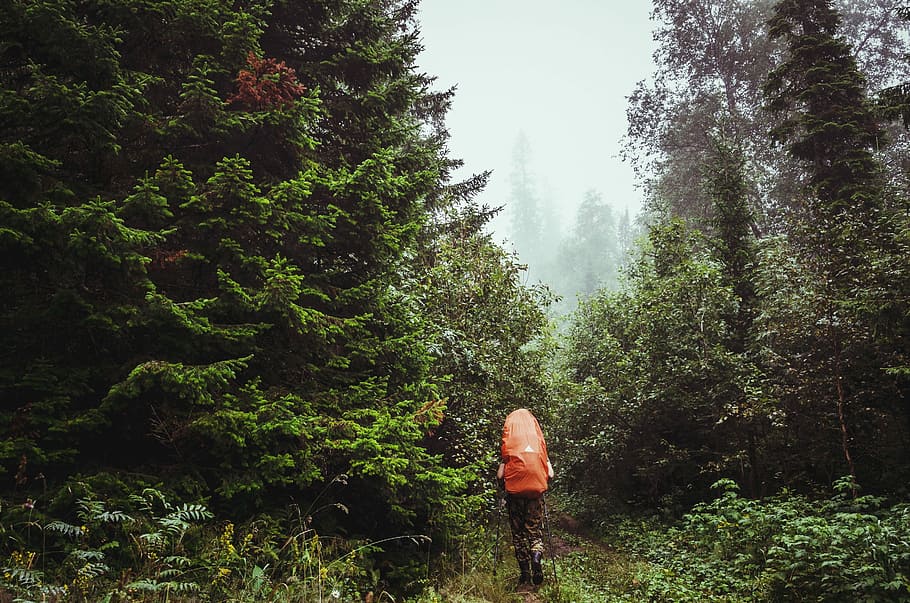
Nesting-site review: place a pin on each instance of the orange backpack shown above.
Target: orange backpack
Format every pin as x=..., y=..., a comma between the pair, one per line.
x=524, y=453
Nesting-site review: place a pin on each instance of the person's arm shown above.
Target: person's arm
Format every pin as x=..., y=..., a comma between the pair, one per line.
x=549, y=469
x=501, y=476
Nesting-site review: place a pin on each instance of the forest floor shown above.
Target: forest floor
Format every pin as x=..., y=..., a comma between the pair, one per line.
x=578, y=568
x=561, y=549
x=585, y=568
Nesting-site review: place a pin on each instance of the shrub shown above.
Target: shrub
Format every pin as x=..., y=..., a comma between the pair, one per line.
x=786, y=548
x=143, y=546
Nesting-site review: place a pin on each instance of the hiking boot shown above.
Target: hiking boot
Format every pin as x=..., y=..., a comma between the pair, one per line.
x=537, y=567
x=525, y=577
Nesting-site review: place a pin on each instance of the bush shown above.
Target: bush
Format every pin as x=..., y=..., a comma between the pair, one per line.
x=784, y=549
x=143, y=547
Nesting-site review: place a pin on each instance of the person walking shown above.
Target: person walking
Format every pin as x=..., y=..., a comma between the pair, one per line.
x=524, y=473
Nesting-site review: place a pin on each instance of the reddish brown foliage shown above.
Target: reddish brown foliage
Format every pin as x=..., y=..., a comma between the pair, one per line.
x=161, y=258
x=266, y=84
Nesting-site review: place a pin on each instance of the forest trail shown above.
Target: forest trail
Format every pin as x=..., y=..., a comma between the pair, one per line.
x=574, y=552
x=531, y=597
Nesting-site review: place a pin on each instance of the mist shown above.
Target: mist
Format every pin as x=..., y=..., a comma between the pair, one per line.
x=541, y=101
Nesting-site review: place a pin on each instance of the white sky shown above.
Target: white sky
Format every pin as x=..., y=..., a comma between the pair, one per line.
x=558, y=71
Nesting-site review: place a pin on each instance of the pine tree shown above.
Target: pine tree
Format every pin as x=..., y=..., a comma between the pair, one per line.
x=208, y=231
x=732, y=226
x=827, y=120
x=589, y=258
x=745, y=413
x=829, y=127
x=527, y=229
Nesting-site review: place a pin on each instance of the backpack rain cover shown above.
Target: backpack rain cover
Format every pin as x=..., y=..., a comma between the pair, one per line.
x=524, y=453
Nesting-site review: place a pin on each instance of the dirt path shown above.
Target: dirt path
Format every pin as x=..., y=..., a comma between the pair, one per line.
x=567, y=538
x=532, y=598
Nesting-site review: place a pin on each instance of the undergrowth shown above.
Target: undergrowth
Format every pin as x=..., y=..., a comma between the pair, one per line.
x=787, y=548
x=151, y=549
x=730, y=549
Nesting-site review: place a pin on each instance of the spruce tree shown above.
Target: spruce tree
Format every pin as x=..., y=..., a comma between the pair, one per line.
x=589, y=258
x=208, y=228
x=527, y=229
x=845, y=234
x=734, y=241
x=827, y=121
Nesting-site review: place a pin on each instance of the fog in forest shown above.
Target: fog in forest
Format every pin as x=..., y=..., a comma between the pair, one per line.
x=541, y=101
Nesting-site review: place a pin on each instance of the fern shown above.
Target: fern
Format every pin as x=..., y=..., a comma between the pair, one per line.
x=151, y=585
x=179, y=521
x=114, y=517
x=177, y=561
x=22, y=577
x=181, y=587
x=42, y=593
x=155, y=541
x=89, y=509
x=93, y=570
x=146, y=501
x=113, y=544
x=88, y=555
x=173, y=525
x=64, y=528
x=193, y=513
x=144, y=585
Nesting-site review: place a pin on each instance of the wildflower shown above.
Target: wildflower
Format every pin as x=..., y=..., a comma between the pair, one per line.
x=28, y=504
x=23, y=560
x=221, y=575
x=226, y=540
x=336, y=594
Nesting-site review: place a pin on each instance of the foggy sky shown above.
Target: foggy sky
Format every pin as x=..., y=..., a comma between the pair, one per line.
x=557, y=71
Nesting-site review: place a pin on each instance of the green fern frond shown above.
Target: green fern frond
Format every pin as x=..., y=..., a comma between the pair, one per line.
x=179, y=521
x=84, y=555
x=181, y=587
x=89, y=509
x=114, y=517
x=25, y=578
x=145, y=585
x=177, y=561
x=64, y=528
x=93, y=570
x=174, y=526
x=193, y=513
x=154, y=540
x=146, y=501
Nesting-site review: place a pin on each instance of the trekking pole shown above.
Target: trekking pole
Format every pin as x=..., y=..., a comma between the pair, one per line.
x=546, y=517
x=498, y=523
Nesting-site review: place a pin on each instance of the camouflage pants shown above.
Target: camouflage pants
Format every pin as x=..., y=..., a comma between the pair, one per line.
x=526, y=520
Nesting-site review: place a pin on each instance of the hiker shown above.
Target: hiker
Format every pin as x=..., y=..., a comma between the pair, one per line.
x=524, y=473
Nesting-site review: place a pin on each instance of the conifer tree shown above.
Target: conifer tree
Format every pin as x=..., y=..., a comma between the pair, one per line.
x=589, y=258
x=745, y=414
x=827, y=120
x=732, y=224
x=527, y=229
x=829, y=127
x=208, y=228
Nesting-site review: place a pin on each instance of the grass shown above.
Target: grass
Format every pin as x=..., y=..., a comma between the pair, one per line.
x=587, y=571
